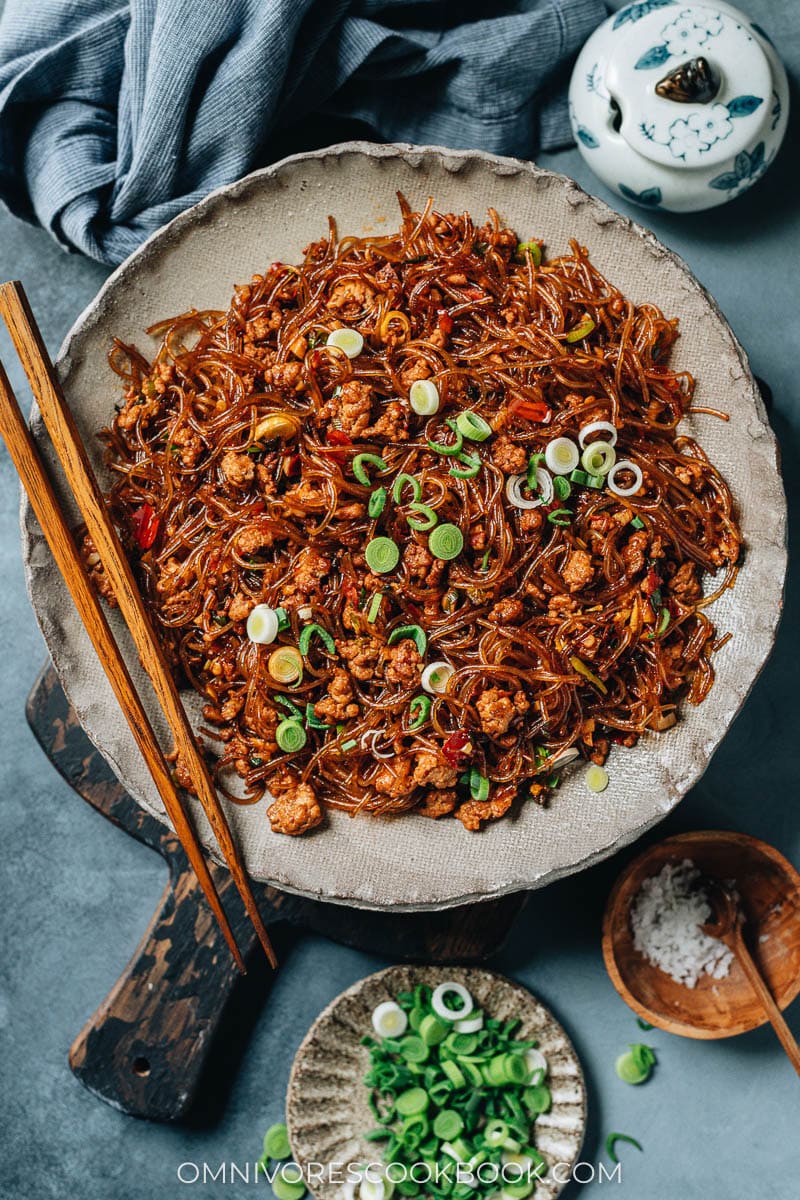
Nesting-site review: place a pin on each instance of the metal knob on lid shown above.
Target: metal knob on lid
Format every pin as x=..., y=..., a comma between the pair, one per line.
x=678, y=106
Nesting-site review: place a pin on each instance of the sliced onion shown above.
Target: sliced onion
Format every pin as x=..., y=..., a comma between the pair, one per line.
x=424, y=397
x=368, y=740
x=561, y=455
x=469, y=1024
x=436, y=677
x=348, y=340
x=598, y=427
x=515, y=484
x=624, y=465
x=456, y=989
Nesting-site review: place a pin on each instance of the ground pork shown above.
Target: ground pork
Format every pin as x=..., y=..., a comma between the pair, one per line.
x=403, y=664
x=684, y=585
x=239, y=469
x=437, y=803
x=350, y=409
x=432, y=771
x=508, y=456
x=394, y=780
x=295, y=809
x=392, y=424
x=531, y=521
x=361, y=655
x=634, y=551
x=508, y=611
x=240, y=607
x=97, y=575
x=497, y=710
x=562, y=606
x=473, y=812
x=350, y=296
x=577, y=571
x=338, y=705
x=412, y=370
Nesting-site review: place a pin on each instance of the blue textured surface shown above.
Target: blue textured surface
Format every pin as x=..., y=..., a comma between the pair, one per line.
x=717, y=1119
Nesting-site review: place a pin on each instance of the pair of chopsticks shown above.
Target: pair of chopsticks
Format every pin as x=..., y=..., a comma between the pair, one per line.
x=58, y=419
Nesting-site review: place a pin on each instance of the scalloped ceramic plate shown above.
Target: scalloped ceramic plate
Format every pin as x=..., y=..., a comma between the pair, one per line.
x=326, y=1104
x=411, y=861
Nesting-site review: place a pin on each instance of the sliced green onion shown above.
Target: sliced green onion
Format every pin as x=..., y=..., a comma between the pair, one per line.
x=449, y=449
x=376, y=503
x=663, y=622
x=286, y=664
x=448, y=1124
x=432, y=1031
x=596, y=778
x=313, y=630
x=413, y=1101
x=611, y=1142
x=534, y=463
x=276, y=1142
x=424, y=397
x=288, y=1189
x=595, y=481
x=533, y=249
x=472, y=426
x=296, y=715
x=414, y=1049
x=348, y=340
x=485, y=560
x=421, y=705
x=496, y=1132
x=634, y=1066
x=350, y=744
x=359, y=470
x=436, y=676
x=579, y=477
x=425, y=521
x=453, y=1073
x=581, y=330
x=374, y=607
x=382, y=555
x=262, y=625
x=290, y=736
x=598, y=458
x=471, y=467
x=446, y=542
x=562, y=487
x=559, y=516
x=418, y=636
x=637, y=523
x=643, y=1024
x=312, y=720
x=561, y=455
x=402, y=481
x=283, y=619
x=537, y=1099
x=478, y=785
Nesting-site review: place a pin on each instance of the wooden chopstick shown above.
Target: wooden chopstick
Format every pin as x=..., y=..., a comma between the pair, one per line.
x=66, y=440
x=25, y=456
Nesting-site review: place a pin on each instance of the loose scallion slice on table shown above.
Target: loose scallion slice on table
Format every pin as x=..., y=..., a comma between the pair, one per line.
x=360, y=466
x=415, y=632
x=446, y=542
x=611, y=1143
x=286, y=1186
x=382, y=555
x=276, y=1142
x=636, y=1065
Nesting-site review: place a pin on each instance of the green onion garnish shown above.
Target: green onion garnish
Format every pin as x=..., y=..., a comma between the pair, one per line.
x=401, y=481
x=636, y=1065
x=283, y=619
x=537, y=1099
x=421, y=705
x=454, y=447
x=417, y=635
x=471, y=467
x=313, y=630
x=425, y=521
x=312, y=720
x=581, y=330
x=637, y=523
x=562, y=487
x=533, y=249
x=348, y=745
x=479, y=790
x=376, y=502
x=534, y=462
x=643, y=1024
x=446, y=542
x=359, y=469
x=296, y=715
x=663, y=622
x=290, y=736
x=473, y=427
x=612, y=1140
x=382, y=555
x=485, y=561
x=559, y=516
x=595, y=481
x=579, y=477
x=374, y=607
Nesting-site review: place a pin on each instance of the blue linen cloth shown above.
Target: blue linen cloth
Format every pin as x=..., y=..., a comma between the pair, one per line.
x=117, y=114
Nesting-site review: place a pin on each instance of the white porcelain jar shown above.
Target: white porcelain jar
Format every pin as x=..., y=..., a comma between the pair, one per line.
x=679, y=106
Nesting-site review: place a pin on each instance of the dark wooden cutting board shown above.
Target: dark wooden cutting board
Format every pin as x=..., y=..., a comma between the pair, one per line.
x=145, y=1047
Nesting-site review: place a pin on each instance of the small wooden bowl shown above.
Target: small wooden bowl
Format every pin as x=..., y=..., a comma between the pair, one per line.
x=769, y=888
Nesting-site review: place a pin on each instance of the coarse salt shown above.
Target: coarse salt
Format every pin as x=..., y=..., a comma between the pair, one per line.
x=666, y=919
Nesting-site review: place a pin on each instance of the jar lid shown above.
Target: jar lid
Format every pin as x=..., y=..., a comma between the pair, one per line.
x=692, y=84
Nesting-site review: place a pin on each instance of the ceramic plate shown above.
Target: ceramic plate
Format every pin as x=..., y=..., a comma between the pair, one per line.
x=414, y=862
x=326, y=1106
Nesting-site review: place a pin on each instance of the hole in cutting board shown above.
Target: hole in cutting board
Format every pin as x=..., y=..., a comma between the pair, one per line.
x=141, y=1066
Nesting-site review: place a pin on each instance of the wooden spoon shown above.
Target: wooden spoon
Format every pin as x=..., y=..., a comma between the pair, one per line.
x=726, y=924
